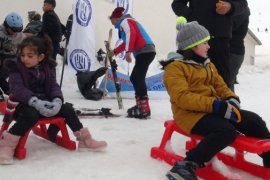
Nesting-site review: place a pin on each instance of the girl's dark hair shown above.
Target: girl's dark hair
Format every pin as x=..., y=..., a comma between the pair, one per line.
x=41, y=44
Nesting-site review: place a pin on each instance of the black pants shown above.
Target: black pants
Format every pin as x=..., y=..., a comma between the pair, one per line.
x=219, y=54
x=26, y=117
x=139, y=71
x=219, y=132
x=56, y=49
x=235, y=63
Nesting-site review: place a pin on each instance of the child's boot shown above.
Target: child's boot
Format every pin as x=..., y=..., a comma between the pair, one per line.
x=8, y=144
x=87, y=143
x=133, y=108
x=183, y=170
x=143, y=109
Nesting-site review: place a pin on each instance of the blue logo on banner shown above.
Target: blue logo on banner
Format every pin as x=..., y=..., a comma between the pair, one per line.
x=124, y=4
x=79, y=60
x=155, y=82
x=83, y=12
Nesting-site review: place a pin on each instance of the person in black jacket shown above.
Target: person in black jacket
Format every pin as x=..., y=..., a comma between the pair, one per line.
x=216, y=16
x=237, y=45
x=52, y=25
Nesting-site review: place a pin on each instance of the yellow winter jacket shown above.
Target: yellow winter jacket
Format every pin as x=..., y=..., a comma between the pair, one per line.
x=192, y=88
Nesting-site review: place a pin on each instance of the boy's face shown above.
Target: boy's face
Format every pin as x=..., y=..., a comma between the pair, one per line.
x=47, y=7
x=202, y=49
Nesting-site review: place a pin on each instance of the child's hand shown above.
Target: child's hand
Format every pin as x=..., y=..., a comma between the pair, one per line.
x=57, y=104
x=227, y=111
x=52, y=109
x=223, y=7
x=235, y=102
x=128, y=57
x=46, y=108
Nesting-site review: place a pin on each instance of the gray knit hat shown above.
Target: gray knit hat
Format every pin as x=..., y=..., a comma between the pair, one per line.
x=190, y=34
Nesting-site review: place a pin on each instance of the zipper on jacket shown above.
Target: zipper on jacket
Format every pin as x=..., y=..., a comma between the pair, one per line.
x=211, y=76
x=38, y=72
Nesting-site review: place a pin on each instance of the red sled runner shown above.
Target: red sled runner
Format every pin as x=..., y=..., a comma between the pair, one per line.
x=40, y=129
x=241, y=145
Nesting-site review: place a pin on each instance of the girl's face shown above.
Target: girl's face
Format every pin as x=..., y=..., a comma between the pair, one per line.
x=202, y=49
x=30, y=57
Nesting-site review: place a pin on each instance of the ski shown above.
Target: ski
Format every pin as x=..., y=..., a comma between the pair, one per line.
x=114, y=68
x=106, y=64
x=103, y=112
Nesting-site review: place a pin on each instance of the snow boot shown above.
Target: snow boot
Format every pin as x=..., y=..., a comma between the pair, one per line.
x=133, y=108
x=8, y=144
x=87, y=143
x=183, y=170
x=142, y=111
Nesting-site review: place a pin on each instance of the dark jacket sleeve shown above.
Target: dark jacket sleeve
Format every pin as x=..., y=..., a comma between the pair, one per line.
x=238, y=7
x=52, y=26
x=17, y=83
x=180, y=8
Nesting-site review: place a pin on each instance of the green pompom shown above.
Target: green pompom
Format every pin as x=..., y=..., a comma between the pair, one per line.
x=181, y=19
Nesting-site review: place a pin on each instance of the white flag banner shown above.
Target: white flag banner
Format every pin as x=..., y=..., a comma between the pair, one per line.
x=81, y=48
x=128, y=5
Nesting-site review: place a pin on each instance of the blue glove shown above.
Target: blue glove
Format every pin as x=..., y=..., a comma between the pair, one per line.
x=226, y=110
x=235, y=102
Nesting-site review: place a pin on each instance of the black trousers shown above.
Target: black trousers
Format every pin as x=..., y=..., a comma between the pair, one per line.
x=56, y=49
x=26, y=117
x=219, y=132
x=139, y=71
x=235, y=63
x=219, y=54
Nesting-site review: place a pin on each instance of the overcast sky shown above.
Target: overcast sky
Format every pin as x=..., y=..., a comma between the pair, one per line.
x=260, y=14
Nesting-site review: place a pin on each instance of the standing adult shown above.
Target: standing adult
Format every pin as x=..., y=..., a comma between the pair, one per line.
x=136, y=41
x=237, y=45
x=216, y=16
x=52, y=25
x=10, y=37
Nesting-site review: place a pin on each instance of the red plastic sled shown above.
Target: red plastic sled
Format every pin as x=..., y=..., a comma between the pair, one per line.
x=40, y=129
x=241, y=145
x=3, y=105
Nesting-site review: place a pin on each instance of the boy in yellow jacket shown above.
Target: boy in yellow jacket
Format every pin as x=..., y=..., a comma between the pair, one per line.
x=202, y=103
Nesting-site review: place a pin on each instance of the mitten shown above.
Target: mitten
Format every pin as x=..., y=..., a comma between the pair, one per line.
x=56, y=106
x=42, y=106
x=37, y=103
x=235, y=102
x=226, y=110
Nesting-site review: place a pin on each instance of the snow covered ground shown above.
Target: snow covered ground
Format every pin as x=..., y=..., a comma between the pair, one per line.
x=130, y=140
